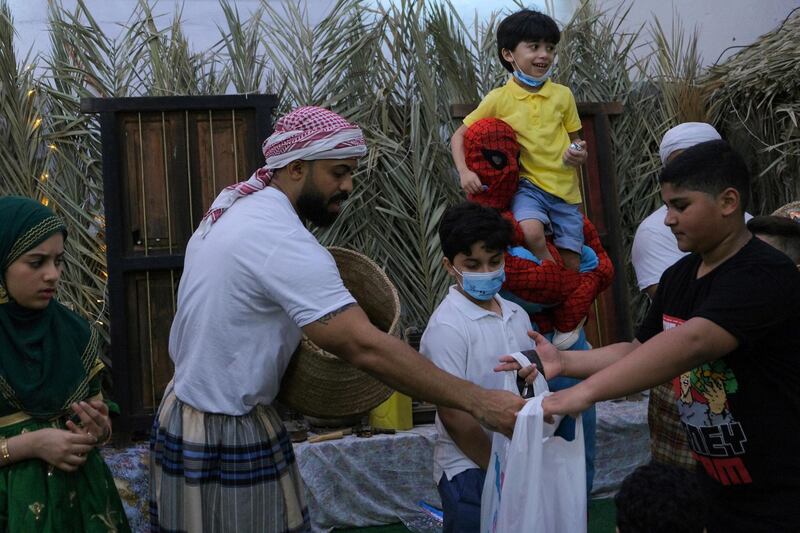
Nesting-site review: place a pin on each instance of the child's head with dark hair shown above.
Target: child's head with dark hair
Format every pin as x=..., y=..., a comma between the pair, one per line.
x=659, y=498
x=525, y=26
x=705, y=189
x=781, y=232
x=710, y=167
x=467, y=224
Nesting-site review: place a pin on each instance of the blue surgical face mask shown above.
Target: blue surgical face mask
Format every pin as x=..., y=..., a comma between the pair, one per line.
x=531, y=81
x=482, y=285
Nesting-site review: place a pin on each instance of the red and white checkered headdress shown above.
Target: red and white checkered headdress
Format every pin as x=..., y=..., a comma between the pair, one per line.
x=307, y=133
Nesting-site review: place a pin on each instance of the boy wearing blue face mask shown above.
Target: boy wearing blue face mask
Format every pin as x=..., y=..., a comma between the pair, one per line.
x=466, y=334
x=545, y=118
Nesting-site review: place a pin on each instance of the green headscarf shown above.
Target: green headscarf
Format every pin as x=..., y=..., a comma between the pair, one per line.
x=46, y=356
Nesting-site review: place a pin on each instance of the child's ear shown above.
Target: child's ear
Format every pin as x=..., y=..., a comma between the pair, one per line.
x=729, y=200
x=506, y=53
x=448, y=266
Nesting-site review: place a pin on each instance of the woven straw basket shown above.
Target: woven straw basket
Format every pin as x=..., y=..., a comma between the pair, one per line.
x=318, y=383
x=790, y=210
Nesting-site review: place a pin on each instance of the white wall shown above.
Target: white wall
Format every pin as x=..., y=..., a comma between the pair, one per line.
x=200, y=18
x=722, y=23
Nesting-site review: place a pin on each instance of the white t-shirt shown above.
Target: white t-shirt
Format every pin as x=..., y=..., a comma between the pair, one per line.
x=466, y=341
x=246, y=290
x=655, y=248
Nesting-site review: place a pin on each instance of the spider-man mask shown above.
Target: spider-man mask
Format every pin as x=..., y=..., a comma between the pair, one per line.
x=492, y=152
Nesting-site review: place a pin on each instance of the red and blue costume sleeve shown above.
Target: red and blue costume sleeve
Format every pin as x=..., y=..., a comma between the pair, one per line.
x=492, y=152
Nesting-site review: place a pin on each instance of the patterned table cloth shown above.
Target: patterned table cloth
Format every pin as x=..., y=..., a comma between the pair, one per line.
x=623, y=443
x=354, y=482
x=357, y=482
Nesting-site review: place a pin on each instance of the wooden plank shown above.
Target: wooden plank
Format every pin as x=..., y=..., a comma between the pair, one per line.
x=608, y=193
x=177, y=103
x=177, y=182
x=153, y=184
x=600, y=108
x=113, y=201
x=159, y=262
x=145, y=182
x=212, y=152
x=460, y=111
x=151, y=308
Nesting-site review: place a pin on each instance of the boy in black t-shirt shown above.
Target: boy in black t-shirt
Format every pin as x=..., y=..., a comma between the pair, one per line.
x=724, y=326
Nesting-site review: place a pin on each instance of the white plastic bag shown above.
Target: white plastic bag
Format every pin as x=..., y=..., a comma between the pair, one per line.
x=536, y=482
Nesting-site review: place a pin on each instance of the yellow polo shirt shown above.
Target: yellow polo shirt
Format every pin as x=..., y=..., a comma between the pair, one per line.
x=543, y=121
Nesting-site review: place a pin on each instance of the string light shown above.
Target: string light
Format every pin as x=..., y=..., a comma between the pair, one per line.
x=37, y=122
x=45, y=202
x=103, y=301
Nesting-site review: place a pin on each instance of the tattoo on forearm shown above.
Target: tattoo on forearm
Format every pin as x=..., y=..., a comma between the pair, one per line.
x=326, y=318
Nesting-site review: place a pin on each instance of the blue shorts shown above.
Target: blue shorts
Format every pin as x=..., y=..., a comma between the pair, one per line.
x=461, y=501
x=563, y=220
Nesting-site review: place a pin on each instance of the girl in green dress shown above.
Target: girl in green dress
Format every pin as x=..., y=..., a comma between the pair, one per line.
x=52, y=416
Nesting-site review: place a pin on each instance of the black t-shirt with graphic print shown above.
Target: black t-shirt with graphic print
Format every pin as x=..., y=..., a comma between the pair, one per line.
x=741, y=412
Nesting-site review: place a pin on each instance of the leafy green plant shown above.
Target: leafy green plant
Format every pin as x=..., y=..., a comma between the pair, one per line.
x=395, y=69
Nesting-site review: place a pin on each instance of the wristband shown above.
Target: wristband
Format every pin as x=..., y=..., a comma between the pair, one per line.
x=529, y=357
x=4, y=451
x=524, y=359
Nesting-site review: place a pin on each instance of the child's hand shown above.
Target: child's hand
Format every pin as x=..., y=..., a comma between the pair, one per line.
x=94, y=420
x=576, y=158
x=470, y=182
x=507, y=363
x=550, y=356
x=62, y=449
x=571, y=401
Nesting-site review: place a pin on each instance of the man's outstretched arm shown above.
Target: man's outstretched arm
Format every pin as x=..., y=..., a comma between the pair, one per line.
x=349, y=334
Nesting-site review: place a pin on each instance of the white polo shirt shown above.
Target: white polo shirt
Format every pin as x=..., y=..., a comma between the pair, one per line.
x=246, y=290
x=467, y=341
x=655, y=248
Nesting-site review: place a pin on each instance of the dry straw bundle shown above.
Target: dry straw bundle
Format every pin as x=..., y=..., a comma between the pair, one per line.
x=755, y=98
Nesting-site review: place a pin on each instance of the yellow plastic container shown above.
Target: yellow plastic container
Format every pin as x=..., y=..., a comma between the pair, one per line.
x=394, y=413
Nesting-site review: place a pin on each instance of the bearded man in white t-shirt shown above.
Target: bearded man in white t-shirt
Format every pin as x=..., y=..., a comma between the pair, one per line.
x=255, y=281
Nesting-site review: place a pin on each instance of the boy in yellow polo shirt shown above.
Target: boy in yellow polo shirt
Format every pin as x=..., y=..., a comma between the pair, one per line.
x=544, y=116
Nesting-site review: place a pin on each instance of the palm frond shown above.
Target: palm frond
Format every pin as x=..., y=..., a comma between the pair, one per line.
x=394, y=68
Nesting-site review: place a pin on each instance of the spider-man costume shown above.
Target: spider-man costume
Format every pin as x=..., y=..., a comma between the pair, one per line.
x=492, y=152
